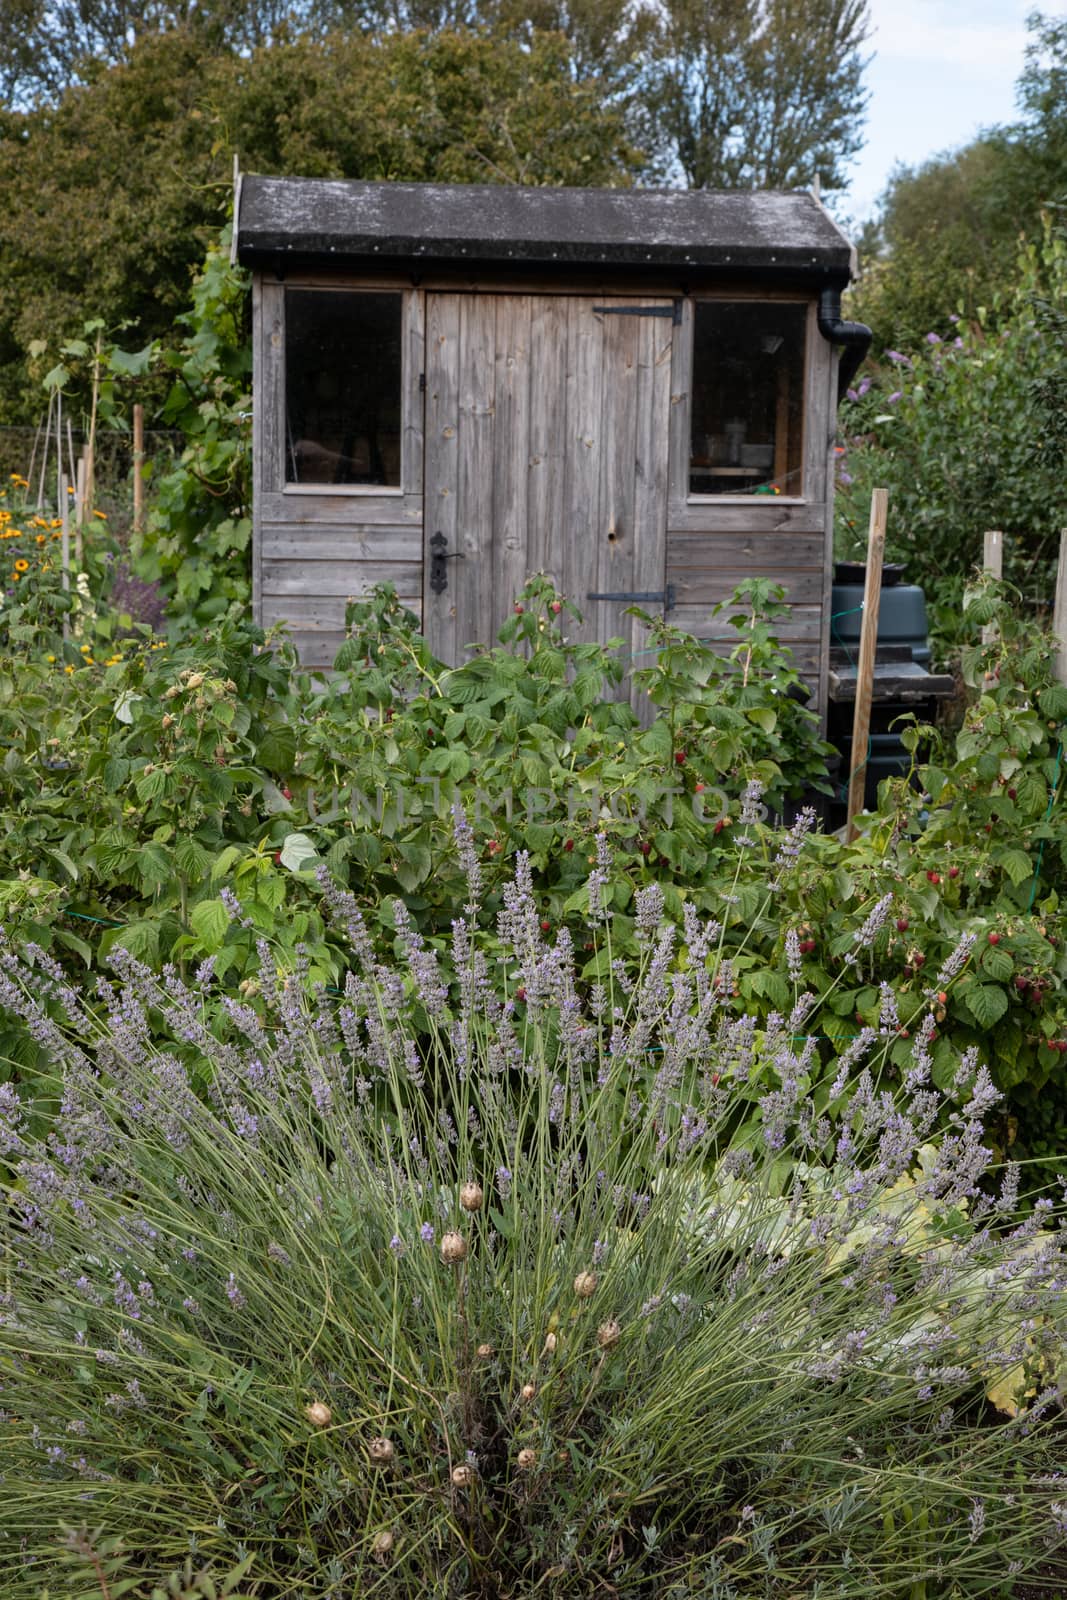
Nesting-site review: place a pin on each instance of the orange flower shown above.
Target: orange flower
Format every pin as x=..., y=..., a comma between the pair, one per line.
x=101, y=514
x=22, y=566
x=39, y=539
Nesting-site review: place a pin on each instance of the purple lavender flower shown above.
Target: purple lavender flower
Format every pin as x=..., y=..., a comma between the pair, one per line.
x=426, y=1233
x=234, y=1295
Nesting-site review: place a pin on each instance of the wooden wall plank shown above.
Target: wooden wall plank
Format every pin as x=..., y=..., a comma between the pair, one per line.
x=582, y=517
x=280, y=542
x=259, y=407
x=339, y=578
x=442, y=462
x=313, y=613
x=306, y=508
x=508, y=558
x=613, y=542
x=411, y=401
x=761, y=553
x=548, y=347
x=695, y=586
x=681, y=389
x=803, y=625
x=470, y=579
x=759, y=514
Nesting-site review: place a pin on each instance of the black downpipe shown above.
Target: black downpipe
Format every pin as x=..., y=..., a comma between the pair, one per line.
x=856, y=337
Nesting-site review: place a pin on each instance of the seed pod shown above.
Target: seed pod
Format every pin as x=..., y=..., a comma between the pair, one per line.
x=526, y=1460
x=550, y=1344
x=486, y=1352
x=527, y=1392
x=471, y=1197
x=453, y=1248
x=382, y=1452
x=319, y=1414
x=382, y=1546
x=608, y=1334
x=462, y=1476
x=585, y=1285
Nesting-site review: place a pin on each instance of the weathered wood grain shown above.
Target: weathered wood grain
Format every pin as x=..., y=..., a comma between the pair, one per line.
x=508, y=551
x=411, y=397
x=339, y=578
x=311, y=545
x=441, y=476
x=306, y=508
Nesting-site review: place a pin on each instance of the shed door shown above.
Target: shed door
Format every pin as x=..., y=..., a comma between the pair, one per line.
x=546, y=450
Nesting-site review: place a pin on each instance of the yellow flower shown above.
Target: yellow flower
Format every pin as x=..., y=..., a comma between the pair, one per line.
x=40, y=539
x=15, y=576
x=50, y=658
x=113, y=661
x=68, y=669
x=22, y=566
x=56, y=522
x=89, y=662
x=101, y=514
x=84, y=649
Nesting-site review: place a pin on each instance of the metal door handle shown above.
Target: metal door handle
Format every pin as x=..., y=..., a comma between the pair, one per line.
x=438, y=558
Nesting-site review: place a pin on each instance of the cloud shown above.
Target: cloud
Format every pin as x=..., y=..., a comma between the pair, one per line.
x=931, y=30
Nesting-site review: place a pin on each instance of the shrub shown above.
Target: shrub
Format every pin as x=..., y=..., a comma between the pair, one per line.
x=478, y=1287
x=956, y=431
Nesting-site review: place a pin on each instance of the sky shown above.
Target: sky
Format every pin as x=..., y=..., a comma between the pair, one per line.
x=941, y=71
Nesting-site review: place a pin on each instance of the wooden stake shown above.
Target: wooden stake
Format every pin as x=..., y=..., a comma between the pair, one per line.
x=993, y=563
x=1059, y=614
x=138, y=466
x=79, y=513
x=64, y=548
x=872, y=600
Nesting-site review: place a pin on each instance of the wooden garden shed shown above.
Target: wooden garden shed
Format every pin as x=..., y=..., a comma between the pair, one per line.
x=633, y=390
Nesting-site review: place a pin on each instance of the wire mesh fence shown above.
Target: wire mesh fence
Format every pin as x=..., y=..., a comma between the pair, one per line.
x=22, y=447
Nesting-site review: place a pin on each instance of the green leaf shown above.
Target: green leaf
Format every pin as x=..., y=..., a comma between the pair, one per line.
x=986, y=1002
x=414, y=865
x=210, y=921
x=764, y=717
x=996, y=963
x=191, y=859
x=61, y=858
x=277, y=751
x=72, y=942
x=1017, y=864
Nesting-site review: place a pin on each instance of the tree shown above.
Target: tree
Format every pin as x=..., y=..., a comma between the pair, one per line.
x=759, y=93
x=113, y=194
x=948, y=236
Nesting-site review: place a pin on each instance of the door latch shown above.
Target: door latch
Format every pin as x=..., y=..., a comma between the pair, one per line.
x=439, y=557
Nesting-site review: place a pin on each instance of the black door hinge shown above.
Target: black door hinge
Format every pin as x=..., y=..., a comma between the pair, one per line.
x=674, y=311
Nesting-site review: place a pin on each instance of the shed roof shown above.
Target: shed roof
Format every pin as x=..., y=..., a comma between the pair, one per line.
x=348, y=221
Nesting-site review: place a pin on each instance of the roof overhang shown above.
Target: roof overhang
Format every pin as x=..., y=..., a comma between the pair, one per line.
x=699, y=232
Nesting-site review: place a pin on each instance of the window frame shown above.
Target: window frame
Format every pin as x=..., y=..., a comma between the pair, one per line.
x=754, y=297
x=331, y=285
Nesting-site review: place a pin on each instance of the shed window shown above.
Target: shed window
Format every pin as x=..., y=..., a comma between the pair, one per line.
x=748, y=386
x=343, y=370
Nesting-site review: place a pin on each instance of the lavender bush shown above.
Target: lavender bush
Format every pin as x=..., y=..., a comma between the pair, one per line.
x=465, y=1290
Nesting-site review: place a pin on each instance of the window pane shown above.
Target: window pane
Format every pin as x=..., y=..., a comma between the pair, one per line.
x=748, y=387
x=342, y=379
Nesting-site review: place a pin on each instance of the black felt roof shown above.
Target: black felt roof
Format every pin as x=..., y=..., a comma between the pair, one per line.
x=348, y=221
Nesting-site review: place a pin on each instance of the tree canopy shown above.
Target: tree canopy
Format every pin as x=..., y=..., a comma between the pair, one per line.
x=949, y=233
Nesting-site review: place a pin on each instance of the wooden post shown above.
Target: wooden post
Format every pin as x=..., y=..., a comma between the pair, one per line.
x=1059, y=614
x=993, y=563
x=79, y=512
x=872, y=600
x=138, y=466
x=64, y=548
